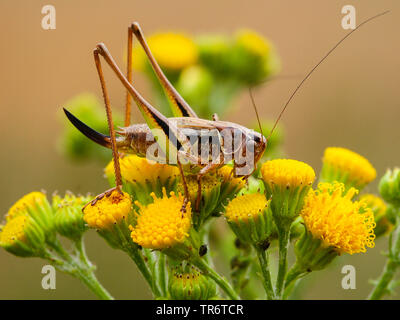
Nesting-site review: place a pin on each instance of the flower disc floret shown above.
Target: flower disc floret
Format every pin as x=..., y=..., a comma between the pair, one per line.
x=330, y=215
x=109, y=210
x=162, y=224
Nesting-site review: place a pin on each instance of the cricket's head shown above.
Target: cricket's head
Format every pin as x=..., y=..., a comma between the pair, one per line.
x=259, y=144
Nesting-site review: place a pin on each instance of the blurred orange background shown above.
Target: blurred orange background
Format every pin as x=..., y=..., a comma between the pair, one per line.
x=351, y=101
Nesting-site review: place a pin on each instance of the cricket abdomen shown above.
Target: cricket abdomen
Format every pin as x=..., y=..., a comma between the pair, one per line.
x=137, y=139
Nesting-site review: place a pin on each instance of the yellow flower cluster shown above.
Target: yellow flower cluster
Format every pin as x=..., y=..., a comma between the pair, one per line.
x=330, y=215
x=162, y=224
x=225, y=172
x=358, y=168
x=376, y=204
x=22, y=204
x=245, y=207
x=14, y=230
x=208, y=183
x=108, y=210
x=138, y=169
x=171, y=50
x=287, y=172
x=253, y=41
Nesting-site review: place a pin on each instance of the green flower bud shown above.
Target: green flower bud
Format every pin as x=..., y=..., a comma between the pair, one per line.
x=195, y=84
x=74, y=145
x=313, y=254
x=389, y=187
x=392, y=213
x=213, y=53
x=252, y=58
x=188, y=283
x=68, y=218
x=250, y=218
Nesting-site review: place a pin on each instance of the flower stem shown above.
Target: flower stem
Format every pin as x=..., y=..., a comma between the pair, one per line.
x=161, y=272
x=390, y=268
x=222, y=283
x=89, y=279
x=135, y=255
x=387, y=275
x=284, y=234
x=294, y=274
x=77, y=266
x=263, y=260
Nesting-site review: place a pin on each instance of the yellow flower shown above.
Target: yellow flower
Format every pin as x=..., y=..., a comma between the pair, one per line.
x=162, y=224
x=250, y=218
x=143, y=176
x=343, y=165
x=209, y=199
x=24, y=203
x=253, y=58
x=245, y=207
x=22, y=237
x=173, y=51
x=14, y=230
x=225, y=172
x=287, y=173
x=253, y=41
x=286, y=183
x=108, y=211
x=35, y=205
x=330, y=215
x=374, y=202
x=230, y=186
x=208, y=183
x=138, y=169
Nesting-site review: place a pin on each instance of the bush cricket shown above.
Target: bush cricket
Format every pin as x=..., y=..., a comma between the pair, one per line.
x=197, y=146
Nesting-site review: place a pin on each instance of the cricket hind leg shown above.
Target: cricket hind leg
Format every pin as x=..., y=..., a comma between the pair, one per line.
x=180, y=107
x=128, y=101
x=117, y=169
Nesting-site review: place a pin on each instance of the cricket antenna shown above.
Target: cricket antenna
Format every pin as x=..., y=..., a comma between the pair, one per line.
x=255, y=109
x=318, y=64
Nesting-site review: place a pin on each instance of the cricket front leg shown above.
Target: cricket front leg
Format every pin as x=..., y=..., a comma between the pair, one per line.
x=185, y=189
x=106, y=193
